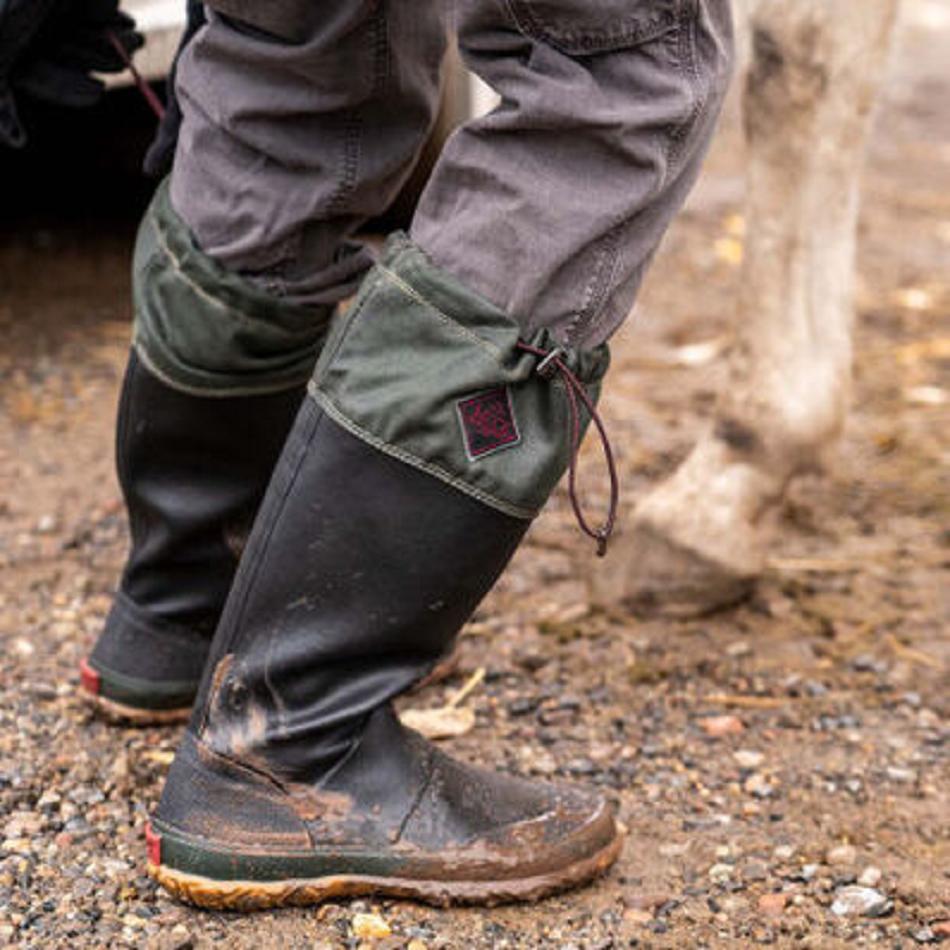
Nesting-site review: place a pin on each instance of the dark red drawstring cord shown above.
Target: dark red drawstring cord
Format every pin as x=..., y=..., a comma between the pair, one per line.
x=552, y=362
x=148, y=93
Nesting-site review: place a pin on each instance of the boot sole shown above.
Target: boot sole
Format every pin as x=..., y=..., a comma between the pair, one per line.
x=211, y=894
x=122, y=715
x=90, y=690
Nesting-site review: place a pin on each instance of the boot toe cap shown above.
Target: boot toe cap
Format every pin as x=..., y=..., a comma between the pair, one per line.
x=485, y=824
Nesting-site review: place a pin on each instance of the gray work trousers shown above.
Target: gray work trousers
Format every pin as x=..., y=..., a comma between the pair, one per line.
x=301, y=119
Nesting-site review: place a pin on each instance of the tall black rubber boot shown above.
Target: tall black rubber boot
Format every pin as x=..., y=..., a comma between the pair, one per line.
x=431, y=437
x=215, y=378
x=193, y=472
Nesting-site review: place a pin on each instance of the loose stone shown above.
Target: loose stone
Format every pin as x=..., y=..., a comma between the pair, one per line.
x=749, y=758
x=870, y=877
x=855, y=901
x=841, y=856
x=719, y=726
x=772, y=905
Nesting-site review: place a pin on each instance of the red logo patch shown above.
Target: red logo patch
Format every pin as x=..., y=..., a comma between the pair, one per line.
x=488, y=422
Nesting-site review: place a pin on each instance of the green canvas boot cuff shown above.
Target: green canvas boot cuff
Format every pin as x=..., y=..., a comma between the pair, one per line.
x=206, y=331
x=432, y=374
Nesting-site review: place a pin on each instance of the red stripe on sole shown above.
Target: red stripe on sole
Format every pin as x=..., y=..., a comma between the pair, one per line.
x=89, y=678
x=153, y=846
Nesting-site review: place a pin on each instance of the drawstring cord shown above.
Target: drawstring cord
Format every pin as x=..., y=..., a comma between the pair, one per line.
x=552, y=362
x=148, y=93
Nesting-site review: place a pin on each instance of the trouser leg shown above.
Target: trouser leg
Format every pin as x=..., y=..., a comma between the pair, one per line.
x=291, y=137
x=553, y=205
x=300, y=121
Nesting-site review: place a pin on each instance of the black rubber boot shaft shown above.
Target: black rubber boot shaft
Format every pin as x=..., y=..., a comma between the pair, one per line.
x=356, y=580
x=193, y=471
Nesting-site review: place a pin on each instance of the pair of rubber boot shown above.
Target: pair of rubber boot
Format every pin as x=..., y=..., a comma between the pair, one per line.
x=429, y=436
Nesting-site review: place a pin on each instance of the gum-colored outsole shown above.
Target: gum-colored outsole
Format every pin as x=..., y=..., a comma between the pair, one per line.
x=122, y=715
x=266, y=895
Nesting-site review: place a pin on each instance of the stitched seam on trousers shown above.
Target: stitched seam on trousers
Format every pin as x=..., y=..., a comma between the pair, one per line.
x=443, y=317
x=605, y=267
x=595, y=294
x=436, y=471
x=352, y=139
x=218, y=393
x=353, y=131
x=595, y=326
x=381, y=52
x=545, y=31
x=689, y=15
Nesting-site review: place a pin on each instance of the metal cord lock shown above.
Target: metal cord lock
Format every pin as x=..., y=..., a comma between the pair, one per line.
x=549, y=365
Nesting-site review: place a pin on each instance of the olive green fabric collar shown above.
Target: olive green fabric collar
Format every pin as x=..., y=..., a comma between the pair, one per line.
x=207, y=331
x=429, y=372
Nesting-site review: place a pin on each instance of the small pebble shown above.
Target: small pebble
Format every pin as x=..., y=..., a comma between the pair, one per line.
x=870, y=877
x=46, y=524
x=370, y=926
x=842, y=856
x=854, y=901
x=719, y=726
x=523, y=706
x=759, y=786
x=904, y=776
x=865, y=663
x=772, y=905
x=749, y=758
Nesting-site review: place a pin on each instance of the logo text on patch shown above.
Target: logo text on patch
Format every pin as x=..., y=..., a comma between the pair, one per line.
x=488, y=422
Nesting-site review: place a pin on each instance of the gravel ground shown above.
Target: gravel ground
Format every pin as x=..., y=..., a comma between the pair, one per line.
x=781, y=768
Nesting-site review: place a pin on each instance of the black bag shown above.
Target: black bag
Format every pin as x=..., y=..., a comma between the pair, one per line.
x=50, y=48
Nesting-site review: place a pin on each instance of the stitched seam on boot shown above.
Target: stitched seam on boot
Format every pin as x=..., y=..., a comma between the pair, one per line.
x=235, y=391
x=415, y=805
x=444, y=318
x=332, y=410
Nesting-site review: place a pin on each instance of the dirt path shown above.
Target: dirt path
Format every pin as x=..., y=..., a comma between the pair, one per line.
x=832, y=765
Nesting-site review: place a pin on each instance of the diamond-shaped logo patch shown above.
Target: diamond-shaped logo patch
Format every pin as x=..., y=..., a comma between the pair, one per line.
x=488, y=422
